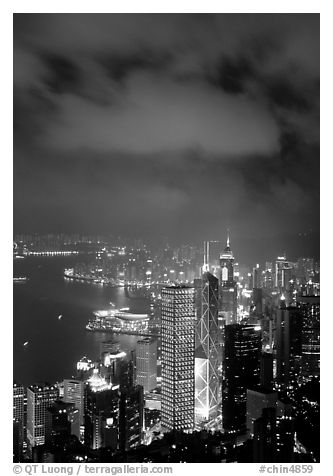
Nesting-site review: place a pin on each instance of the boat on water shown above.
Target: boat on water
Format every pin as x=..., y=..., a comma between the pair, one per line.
x=20, y=279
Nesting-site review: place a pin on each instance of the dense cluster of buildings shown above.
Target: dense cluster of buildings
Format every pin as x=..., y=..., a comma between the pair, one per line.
x=229, y=367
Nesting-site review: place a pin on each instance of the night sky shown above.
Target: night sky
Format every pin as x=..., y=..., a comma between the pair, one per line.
x=169, y=125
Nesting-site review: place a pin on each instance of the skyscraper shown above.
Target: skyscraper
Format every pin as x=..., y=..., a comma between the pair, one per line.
x=146, y=363
x=309, y=307
x=18, y=421
x=39, y=398
x=18, y=403
x=288, y=342
x=207, y=389
x=280, y=264
x=130, y=417
x=61, y=421
x=74, y=393
x=101, y=414
x=228, y=286
x=177, y=359
x=241, y=371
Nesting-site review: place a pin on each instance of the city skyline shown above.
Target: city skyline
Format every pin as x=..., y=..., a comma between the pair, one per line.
x=166, y=269
x=237, y=367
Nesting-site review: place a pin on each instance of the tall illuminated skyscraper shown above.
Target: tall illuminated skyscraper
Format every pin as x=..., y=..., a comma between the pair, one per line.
x=39, y=398
x=101, y=413
x=177, y=359
x=18, y=403
x=309, y=307
x=18, y=421
x=207, y=390
x=228, y=286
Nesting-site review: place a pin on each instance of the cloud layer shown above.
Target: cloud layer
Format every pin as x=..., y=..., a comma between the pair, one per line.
x=221, y=112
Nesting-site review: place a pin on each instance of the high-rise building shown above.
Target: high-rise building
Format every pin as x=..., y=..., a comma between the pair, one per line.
x=228, y=286
x=146, y=363
x=61, y=421
x=288, y=343
x=39, y=398
x=17, y=442
x=256, y=277
x=18, y=403
x=101, y=414
x=74, y=393
x=18, y=422
x=309, y=307
x=285, y=431
x=241, y=371
x=305, y=269
x=280, y=264
x=130, y=417
x=177, y=357
x=207, y=388
x=273, y=437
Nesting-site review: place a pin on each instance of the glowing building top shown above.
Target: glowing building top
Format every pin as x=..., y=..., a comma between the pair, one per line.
x=97, y=383
x=227, y=263
x=227, y=253
x=84, y=364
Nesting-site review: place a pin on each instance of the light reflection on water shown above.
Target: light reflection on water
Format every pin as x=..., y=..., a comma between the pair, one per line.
x=56, y=345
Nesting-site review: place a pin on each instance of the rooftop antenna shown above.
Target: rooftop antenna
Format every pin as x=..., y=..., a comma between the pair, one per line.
x=206, y=257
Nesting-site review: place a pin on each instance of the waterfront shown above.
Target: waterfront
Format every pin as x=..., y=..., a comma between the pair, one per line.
x=55, y=345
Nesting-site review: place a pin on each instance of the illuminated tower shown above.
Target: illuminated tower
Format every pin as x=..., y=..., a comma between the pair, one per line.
x=228, y=287
x=101, y=413
x=39, y=398
x=288, y=343
x=283, y=272
x=18, y=422
x=207, y=392
x=177, y=359
x=18, y=403
x=309, y=307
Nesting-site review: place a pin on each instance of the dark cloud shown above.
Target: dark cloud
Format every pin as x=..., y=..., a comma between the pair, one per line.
x=119, y=67
x=63, y=75
x=232, y=74
x=166, y=124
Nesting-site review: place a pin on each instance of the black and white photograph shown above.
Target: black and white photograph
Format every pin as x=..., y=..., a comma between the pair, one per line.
x=166, y=240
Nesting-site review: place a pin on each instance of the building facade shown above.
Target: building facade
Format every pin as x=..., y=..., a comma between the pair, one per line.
x=177, y=357
x=241, y=371
x=39, y=398
x=74, y=393
x=228, y=286
x=288, y=343
x=146, y=363
x=309, y=307
x=207, y=388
